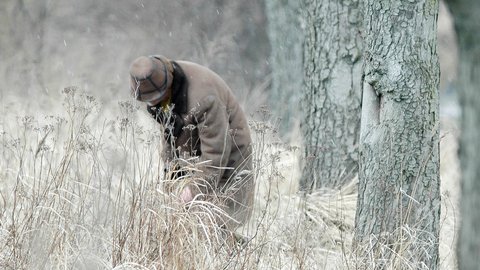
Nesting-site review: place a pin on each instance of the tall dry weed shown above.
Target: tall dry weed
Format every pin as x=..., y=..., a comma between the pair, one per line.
x=85, y=190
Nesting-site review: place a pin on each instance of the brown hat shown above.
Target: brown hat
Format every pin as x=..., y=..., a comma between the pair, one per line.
x=150, y=77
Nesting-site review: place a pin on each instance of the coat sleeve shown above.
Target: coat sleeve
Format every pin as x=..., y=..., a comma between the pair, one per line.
x=215, y=142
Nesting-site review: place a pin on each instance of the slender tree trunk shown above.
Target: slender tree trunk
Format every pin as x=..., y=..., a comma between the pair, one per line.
x=467, y=24
x=398, y=209
x=286, y=39
x=332, y=92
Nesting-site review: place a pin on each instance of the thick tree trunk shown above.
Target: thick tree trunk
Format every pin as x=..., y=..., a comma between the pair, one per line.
x=398, y=209
x=467, y=24
x=332, y=92
x=286, y=39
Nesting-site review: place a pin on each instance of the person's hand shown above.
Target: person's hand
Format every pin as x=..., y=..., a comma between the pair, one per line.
x=186, y=196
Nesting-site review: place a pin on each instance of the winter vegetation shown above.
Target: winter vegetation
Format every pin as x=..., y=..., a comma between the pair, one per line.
x=86, y=191
x=82, y=183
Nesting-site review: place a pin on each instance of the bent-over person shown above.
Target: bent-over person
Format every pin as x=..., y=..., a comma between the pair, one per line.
x=201, y=118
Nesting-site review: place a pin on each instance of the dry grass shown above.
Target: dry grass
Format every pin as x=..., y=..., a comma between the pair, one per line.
x=84, y=191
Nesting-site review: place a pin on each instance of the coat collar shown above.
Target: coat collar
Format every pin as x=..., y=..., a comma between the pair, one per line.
x=179, y=90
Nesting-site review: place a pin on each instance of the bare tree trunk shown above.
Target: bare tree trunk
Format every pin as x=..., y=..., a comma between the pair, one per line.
x=467, y=24
x=286, y=39
x=398, y=209
x=332, y=92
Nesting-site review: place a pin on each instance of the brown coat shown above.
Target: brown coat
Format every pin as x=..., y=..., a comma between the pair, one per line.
x=216, y=130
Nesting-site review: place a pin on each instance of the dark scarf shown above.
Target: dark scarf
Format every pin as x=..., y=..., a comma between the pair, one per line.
x=173, y=122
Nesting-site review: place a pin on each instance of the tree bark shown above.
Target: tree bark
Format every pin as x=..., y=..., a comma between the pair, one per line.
x=467, y=25
x=286, y=40
x=332, y=92
x=398, y=208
